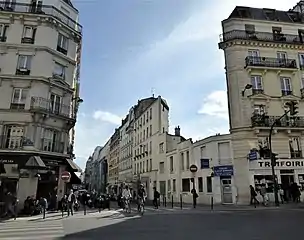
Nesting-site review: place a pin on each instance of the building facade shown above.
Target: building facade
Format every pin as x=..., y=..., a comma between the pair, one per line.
x=126, y=149
x=113, y=165
x=150, y=128
x=264, y=57
x=40, y=48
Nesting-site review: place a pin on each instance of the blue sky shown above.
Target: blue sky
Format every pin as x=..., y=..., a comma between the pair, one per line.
x=134, y=47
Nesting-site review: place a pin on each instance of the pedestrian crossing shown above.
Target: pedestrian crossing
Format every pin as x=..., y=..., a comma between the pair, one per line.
x=153, y=211
x=25, y=230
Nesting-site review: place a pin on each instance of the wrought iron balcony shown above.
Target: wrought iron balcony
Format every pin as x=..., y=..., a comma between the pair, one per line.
x=260, y=36
x=270, y=62
x=43, y=10
x=257, y=91
x=47, y=106
x=49, y=145
x=12, y=142
x=287, y=122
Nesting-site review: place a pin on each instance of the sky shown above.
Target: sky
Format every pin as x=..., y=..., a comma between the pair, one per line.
x=135, y=48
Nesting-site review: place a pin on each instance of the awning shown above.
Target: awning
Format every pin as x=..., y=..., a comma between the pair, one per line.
x=74, y=166
x=34, y=162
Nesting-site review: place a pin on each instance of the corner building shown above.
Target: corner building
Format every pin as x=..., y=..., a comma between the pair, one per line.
x=264, y=56
x=40, y=45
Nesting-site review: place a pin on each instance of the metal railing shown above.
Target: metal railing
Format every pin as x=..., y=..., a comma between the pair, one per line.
x=43, y=10
x=256, y=91
x=270, y=62
x=261, y=36
x=11, y=142
x=48, y=106
x=49, y=145
x=266, y=121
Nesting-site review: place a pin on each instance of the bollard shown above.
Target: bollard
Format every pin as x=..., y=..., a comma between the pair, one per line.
x=84, y=209
x=181, y=202
x=212, y=203
x=172, y=201
x=165, y=201
x=43, y=212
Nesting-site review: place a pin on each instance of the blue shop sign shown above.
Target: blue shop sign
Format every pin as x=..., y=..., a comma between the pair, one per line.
x=253, y=155
x=223, y=171
x=205, y=163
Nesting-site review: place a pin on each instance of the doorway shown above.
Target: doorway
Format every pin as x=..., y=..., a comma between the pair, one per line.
x=286, y=181
x=226, y=189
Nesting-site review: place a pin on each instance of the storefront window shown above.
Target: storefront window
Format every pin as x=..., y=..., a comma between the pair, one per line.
x=260, y=180
x=301, y=181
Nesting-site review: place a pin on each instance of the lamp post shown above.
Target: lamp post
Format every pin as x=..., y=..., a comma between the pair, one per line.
x=293, y=111
x=247, y=87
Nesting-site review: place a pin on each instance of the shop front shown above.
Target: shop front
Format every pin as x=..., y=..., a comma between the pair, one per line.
x=287, y=171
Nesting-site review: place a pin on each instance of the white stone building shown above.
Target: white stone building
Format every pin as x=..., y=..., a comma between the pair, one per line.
x=264, y=58
x=40, y=46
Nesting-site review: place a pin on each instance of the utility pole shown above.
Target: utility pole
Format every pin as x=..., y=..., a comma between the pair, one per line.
x=273, y=156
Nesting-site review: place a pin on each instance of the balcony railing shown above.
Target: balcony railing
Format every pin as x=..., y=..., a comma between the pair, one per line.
x=13, y=142
x=286, y=92
x=48, y=145
x=257, y=91
x=261, y=36
x=42, y=9
x=287, y=122
x=270, y=62
x=48, y=106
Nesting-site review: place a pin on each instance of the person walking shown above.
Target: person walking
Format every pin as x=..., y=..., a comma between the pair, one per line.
x=194, y=197
x=253, y=195
x=156, y=196
x=71, y=201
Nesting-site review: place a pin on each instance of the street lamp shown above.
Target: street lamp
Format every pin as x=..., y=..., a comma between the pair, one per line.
x=273, y=157
x=247, y=87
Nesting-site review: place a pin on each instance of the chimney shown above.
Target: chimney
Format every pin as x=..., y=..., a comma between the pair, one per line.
x=177, y=131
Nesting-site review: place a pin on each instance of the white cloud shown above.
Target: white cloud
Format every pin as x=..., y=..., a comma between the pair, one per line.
x=215, y=104
x=107, y=117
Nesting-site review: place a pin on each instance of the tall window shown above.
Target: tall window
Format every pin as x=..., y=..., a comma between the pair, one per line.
x=200, y=184
x=259, y=109
x=301, y=60
x=186, y=184
x=55, y=103
x=161, y=167
x=50, y=140
x=161, y=148
x=3, y=31
x=282, y=55
x=171, y=164
x=19, y=98
x=257, y=85
x=174, y=185
x=14, y=137
x=151, y=130
x=62, y=44
x=150, y=113
x=295, y=147
x=24, y=65
x=182, y=162
x=286, y=86
x=187, y=160
x=29, y=34
x=59, y=71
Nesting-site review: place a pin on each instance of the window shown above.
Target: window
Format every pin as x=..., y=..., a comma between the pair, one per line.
x=186, y=185
x=259, y=109
x=295, y=147
x=150, y=164
x=171, y=164
x=3, y=30
x=150, y=148
x=147, y=116
x=209, y=184
x=150, y=113
x=301, y=60
x=9, y=5
x=19, y=98
x=59, y=71
x=161, y=148
x=254, y=53
x=147, y=132
x=24, y=65
x=28, y=35
x=161, y=167
x=282, y=55
x=50, y=141
x=55, y=103
x=14, y=137
x=249, y=28
x=182, y=165
x=150, y=130
x=147, y=166
x=169, y=185
x=174, y=185
x=200, y=184
x=187, y=160
x=257, y=86
x=62, y=44
x=203, y=152
x=286, y=86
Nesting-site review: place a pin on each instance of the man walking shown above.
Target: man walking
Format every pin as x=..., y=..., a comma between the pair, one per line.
x=71, y=201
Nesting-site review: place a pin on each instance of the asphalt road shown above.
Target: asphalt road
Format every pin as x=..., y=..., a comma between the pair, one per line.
x=234, y=225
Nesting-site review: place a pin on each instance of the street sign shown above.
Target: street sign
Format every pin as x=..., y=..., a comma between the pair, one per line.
x=223, y=171
x=253, y=155
x=193, y=168
x=65, y=176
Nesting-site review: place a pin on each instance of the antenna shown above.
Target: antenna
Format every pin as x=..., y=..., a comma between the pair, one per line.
x=152, y=91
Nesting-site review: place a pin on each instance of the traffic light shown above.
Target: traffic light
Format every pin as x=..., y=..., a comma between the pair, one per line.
x=274, y=158
x=293, y=107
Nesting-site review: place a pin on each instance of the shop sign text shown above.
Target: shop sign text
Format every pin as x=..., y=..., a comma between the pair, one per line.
x=7, y=161
x=282, y=163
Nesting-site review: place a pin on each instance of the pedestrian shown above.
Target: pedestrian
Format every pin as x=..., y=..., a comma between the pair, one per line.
x=194, y=197
x=156, y=196
x=281, y=193
x=263, y=192
x=43, y=204
x=64, y=203
x=71, y=201
x=253, y=195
